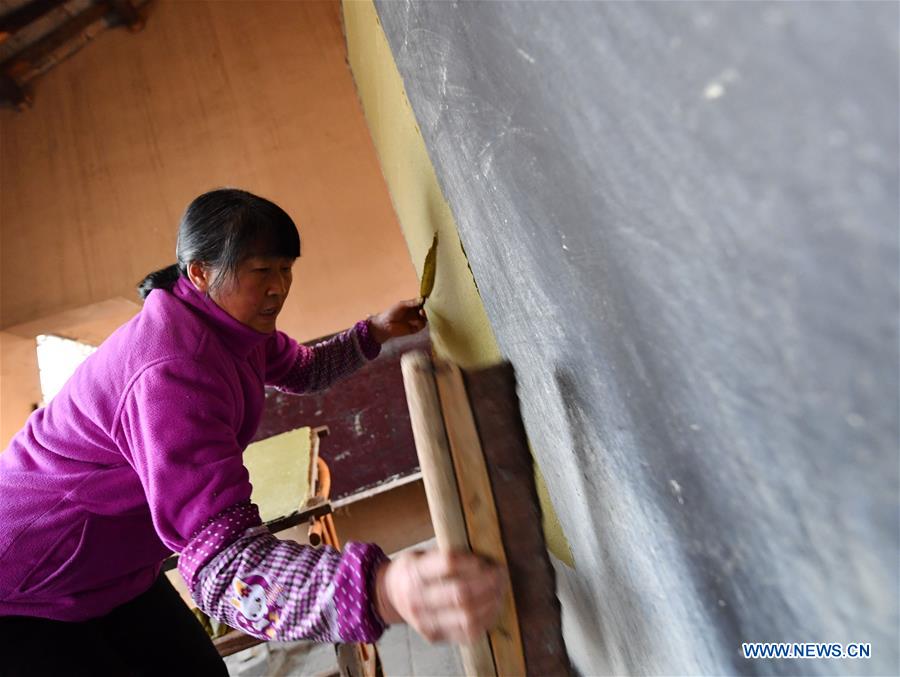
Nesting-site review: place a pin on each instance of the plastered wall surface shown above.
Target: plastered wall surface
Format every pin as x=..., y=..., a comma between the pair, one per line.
x=125, y=133
x=459, y=328
x=682, y=219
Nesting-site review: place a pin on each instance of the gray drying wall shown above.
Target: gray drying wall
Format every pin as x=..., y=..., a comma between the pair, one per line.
x=683, y=221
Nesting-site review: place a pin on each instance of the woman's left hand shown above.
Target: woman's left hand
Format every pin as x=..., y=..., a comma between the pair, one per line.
x=401, y=319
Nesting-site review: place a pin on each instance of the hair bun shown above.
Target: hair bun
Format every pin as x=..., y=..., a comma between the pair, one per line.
x=165, y=278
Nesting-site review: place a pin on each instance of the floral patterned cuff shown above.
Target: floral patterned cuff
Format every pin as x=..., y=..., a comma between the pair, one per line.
x=354, y=595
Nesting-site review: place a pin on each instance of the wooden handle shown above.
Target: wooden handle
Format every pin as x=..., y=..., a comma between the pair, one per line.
x=440, y=482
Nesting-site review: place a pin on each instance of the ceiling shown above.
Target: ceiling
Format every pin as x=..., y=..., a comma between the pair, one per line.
x=35, y=35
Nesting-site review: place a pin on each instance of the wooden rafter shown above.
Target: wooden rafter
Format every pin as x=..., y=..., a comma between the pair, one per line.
x=31, y=54
x=11, y=23
x=19, y=67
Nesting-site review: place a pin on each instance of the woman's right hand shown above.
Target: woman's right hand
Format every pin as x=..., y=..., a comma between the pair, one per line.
x=444, y=596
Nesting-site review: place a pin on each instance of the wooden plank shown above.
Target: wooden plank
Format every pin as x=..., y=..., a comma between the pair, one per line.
x=495, y=407
x=314, y=508
x=22, y=16
x=24, y=60
x=440, y=481
x=234, y=641
x=478, y=507
x=390, y=485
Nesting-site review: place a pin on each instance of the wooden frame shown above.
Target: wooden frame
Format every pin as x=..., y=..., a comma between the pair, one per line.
x=479, y=479
x=440, y=482
x=477, y=499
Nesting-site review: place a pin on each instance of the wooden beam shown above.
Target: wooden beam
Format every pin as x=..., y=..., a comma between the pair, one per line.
x=477, y=500
x=23, y=62
x=495, y=407
x=440, y=482
x=29, y=57
x=233, y=641
x=19, y=18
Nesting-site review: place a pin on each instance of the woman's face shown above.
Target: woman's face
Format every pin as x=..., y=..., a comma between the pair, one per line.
x=257, y=293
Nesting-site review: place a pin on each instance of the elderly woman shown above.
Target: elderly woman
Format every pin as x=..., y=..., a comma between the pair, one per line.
x=140, y=453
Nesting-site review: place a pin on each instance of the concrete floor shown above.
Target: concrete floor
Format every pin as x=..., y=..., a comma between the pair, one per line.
x=403, y=653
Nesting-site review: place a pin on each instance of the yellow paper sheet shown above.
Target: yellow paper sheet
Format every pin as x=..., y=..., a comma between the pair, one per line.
x=279, y=472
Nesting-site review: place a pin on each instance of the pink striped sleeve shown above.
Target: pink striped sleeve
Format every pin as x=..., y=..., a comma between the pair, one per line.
x=296, y=368
x=281, y=590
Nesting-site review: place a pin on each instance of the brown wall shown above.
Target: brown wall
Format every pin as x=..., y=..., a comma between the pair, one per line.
x=124, y=134
x=127, y=131
x=20, y=386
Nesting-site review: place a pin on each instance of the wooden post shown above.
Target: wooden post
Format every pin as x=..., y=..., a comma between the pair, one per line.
x=479, y=508
x=440, y=482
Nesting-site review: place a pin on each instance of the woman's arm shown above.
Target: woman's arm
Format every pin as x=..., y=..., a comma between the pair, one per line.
x=272, y=589
x=295, y=368
x=176, y=429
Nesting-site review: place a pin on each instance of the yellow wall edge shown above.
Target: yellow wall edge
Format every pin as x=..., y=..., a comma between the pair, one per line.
x=460, y=330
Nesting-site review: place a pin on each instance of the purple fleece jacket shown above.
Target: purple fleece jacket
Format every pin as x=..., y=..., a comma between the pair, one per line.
x=141, y=451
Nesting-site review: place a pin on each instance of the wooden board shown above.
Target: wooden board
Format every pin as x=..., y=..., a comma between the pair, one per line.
x=440, y=482
x=510, y=468
x=477, y=501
